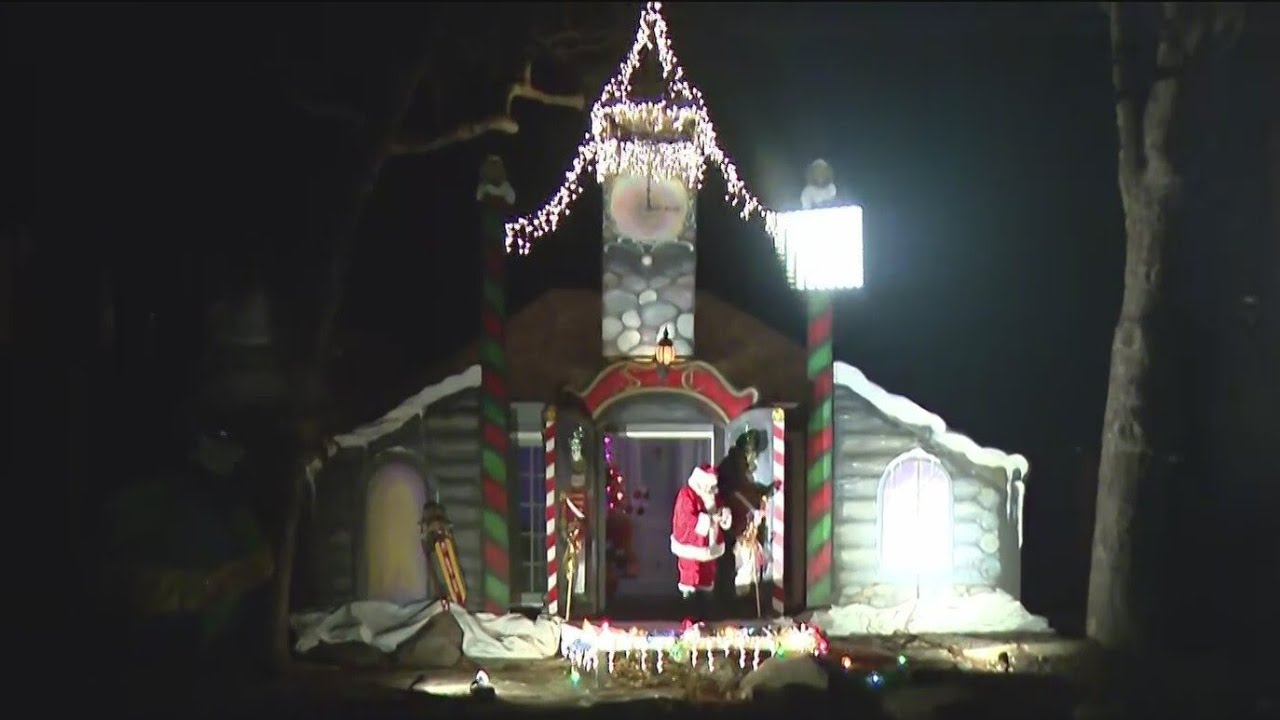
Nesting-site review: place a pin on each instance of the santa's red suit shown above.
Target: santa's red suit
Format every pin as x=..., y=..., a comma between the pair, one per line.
x=698, y=524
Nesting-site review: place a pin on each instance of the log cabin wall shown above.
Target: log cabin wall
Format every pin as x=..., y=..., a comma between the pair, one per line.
x=865, y=443
x=332, y=538
x=979, y=526
x=444, y=439
x=451, y=448
x=984, y=539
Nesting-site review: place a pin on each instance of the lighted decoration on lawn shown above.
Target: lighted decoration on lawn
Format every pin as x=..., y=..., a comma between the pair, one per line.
x=877, y=674
x=481, y=687
x=619, y=551
x=683, y=114
x=597, y=647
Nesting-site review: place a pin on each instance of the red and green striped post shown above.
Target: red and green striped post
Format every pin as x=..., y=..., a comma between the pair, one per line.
x=495, y=414
x=819, y=479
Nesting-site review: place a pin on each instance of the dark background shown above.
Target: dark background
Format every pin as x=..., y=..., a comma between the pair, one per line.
x=169, y=150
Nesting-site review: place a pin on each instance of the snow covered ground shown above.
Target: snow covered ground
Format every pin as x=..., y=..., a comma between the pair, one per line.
x=993, y=611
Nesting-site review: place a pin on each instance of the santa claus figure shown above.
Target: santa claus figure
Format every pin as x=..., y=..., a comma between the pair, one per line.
x=698, y=526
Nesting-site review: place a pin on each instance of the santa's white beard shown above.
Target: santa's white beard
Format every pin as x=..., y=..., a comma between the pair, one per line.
x=708, y=499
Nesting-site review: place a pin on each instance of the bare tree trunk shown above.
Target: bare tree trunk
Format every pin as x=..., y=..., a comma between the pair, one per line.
x=1133, y=456
x=1115, y=610
x=286, y=551
x=378, y=137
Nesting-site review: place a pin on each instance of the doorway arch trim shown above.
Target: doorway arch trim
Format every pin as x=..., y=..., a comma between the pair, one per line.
x=694, y=378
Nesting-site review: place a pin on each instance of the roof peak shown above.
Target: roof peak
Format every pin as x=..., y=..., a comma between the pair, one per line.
x=652, y=40
x=682, y=113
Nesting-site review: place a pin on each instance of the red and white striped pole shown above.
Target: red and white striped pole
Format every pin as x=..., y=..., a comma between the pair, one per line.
x=553, y=563
x=777, y=520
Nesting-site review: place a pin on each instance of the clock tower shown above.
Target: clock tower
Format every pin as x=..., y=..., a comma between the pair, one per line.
x=649, y=167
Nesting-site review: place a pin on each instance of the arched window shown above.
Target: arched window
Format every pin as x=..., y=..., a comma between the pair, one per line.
x=395, y=563
x=915, y=520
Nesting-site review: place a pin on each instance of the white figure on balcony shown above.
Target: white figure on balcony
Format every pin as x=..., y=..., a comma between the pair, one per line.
x=820, y=187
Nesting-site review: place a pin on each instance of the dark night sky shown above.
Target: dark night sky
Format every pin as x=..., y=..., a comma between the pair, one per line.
x=979, y=138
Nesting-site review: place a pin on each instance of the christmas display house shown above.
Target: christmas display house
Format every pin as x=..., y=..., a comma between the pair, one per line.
x=558, y=442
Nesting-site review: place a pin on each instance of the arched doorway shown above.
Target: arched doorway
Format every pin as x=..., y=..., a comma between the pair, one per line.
x=395, y=564
x=651, y=428
x=915, y=522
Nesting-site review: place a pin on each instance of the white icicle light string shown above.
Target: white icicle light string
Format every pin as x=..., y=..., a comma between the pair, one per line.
x=684, y=160
x=585, y=648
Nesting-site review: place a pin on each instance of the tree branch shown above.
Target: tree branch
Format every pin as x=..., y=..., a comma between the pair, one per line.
x=1179, y=37
x=1126, y=100
x=526, y=89
x=566, y=44
x=500, y=123
x=1228, y=21
x=463, y=133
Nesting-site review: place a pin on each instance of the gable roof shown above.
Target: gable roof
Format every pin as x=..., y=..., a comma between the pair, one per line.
x=554, y=343
x=680, y=97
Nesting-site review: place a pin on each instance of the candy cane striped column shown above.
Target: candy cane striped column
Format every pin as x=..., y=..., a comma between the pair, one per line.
x=495, y=423
x=818, y=483
x=777, y=531
x=553, y=563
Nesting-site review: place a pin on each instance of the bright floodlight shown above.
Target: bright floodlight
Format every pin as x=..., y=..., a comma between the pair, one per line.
x=821, y=248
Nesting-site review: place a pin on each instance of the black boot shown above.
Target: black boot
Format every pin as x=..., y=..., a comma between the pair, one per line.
x=689, y=606
x=703, y=606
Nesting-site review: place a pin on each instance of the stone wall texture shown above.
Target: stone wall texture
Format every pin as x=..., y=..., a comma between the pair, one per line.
x=648, y=286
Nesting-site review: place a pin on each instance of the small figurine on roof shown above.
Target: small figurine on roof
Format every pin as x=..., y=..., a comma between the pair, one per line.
x=494, y=192
x=820, y=187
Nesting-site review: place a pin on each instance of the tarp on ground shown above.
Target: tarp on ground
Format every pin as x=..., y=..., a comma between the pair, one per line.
x=385, y=625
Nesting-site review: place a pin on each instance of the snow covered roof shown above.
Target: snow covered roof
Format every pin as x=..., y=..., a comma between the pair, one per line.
x=399, y=415
x=895, y=407
x=900, y=409
x=409, y=409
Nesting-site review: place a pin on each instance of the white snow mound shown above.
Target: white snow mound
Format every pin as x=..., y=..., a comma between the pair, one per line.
x=948, y=613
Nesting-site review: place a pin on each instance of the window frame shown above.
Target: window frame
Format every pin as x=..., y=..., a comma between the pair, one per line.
x=530, y=569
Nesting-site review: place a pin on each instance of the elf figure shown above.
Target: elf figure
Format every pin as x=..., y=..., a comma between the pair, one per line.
x=698, y=525
x=746, y=500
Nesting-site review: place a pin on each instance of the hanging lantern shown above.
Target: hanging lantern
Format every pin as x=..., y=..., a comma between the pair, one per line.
x=665, y=353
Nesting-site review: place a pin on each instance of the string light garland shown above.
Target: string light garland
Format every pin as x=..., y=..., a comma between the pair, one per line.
x=596, y=648
x=619, y=536
x=878, y=674
x=675, y=138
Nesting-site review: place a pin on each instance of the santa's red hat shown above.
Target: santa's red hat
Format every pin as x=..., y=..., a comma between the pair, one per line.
x=703, y=480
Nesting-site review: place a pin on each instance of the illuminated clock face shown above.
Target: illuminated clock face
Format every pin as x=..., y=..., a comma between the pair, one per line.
x=648, y=210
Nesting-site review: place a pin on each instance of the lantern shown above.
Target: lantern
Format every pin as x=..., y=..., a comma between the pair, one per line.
x=665, y=353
